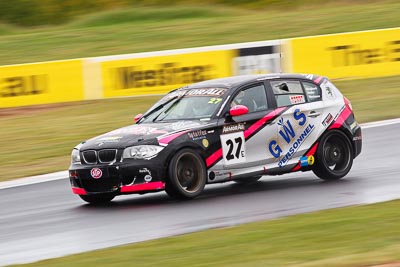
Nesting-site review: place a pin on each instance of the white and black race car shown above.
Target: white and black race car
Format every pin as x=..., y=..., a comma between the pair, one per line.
x=231, y=129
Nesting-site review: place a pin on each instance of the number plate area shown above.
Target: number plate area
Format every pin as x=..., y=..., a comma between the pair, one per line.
x=233, y=148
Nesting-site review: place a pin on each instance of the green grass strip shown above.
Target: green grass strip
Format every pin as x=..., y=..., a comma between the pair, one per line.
x=140, y=29
x=353, y=236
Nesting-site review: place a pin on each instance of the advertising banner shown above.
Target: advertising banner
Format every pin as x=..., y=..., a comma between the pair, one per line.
x=41, y=83
x=348, y=55
x=160, y=74
x=258, y=58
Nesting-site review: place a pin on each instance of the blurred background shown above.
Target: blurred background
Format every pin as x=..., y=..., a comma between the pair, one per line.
x=74, y=69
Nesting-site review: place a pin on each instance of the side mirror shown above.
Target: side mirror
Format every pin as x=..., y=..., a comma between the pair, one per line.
x=137, y=117
x=238, y=110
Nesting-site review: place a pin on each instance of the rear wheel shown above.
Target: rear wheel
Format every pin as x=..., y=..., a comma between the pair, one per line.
x=334, y=156
x=97, y=198
x=187, y=175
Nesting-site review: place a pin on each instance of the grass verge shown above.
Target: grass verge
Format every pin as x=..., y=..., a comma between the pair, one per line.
x=40, y=139
x=373, y=99
x=353, y=236
x=141, y=28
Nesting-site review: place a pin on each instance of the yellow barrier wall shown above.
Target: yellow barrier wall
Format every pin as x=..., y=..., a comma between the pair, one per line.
x=41, y=83
x=349, y=55
x=160, y=74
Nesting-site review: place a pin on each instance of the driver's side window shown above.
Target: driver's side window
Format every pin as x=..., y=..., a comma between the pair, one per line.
x=254, y=98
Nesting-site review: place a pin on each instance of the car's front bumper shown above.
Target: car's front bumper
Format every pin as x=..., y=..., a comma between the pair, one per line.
x=128, y=178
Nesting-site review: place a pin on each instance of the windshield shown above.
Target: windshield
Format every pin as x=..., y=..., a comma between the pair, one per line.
x=186, y=104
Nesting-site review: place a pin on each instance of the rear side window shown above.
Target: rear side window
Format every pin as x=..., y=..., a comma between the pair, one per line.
x=313, y=92
x=288, y=92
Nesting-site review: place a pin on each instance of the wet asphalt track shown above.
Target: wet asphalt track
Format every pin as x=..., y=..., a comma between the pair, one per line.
x=46, y=220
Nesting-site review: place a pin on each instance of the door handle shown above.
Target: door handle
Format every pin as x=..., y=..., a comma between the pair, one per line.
x=314, y=114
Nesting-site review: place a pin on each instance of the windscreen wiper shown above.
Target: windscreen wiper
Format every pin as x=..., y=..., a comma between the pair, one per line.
x=159, y=107
x=168, y=109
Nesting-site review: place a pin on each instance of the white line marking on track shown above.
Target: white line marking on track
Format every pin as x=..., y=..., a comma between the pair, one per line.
x=35, y=179
x=64, y=174
x=379, y=123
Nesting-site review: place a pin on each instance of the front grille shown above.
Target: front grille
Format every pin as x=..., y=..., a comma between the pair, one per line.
x=106, y=184
x=102, y=156
x=107, y=155
x=90, y=156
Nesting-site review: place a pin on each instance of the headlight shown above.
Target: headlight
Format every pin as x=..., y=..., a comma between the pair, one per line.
x=75, y=157
x=141, y=152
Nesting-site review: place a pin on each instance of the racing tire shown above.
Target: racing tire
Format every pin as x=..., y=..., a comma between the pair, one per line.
x=187, y=175
x=334, y=156
x=248, y=180
x=97, y=199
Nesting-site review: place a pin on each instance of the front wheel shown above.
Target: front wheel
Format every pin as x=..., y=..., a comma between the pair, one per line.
x=187, y=175
x=97, y=199
x=334, y=156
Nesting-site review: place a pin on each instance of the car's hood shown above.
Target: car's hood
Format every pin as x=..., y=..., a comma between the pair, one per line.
x=139, y=133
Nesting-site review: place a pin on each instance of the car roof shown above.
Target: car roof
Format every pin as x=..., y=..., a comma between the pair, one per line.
x=235, y=81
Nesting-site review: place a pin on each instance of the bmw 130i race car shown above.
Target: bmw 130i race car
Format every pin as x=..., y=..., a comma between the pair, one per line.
x=231, y=129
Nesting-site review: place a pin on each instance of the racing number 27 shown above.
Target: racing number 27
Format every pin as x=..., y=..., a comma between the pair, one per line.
x=233, y=148
x=231, y=145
